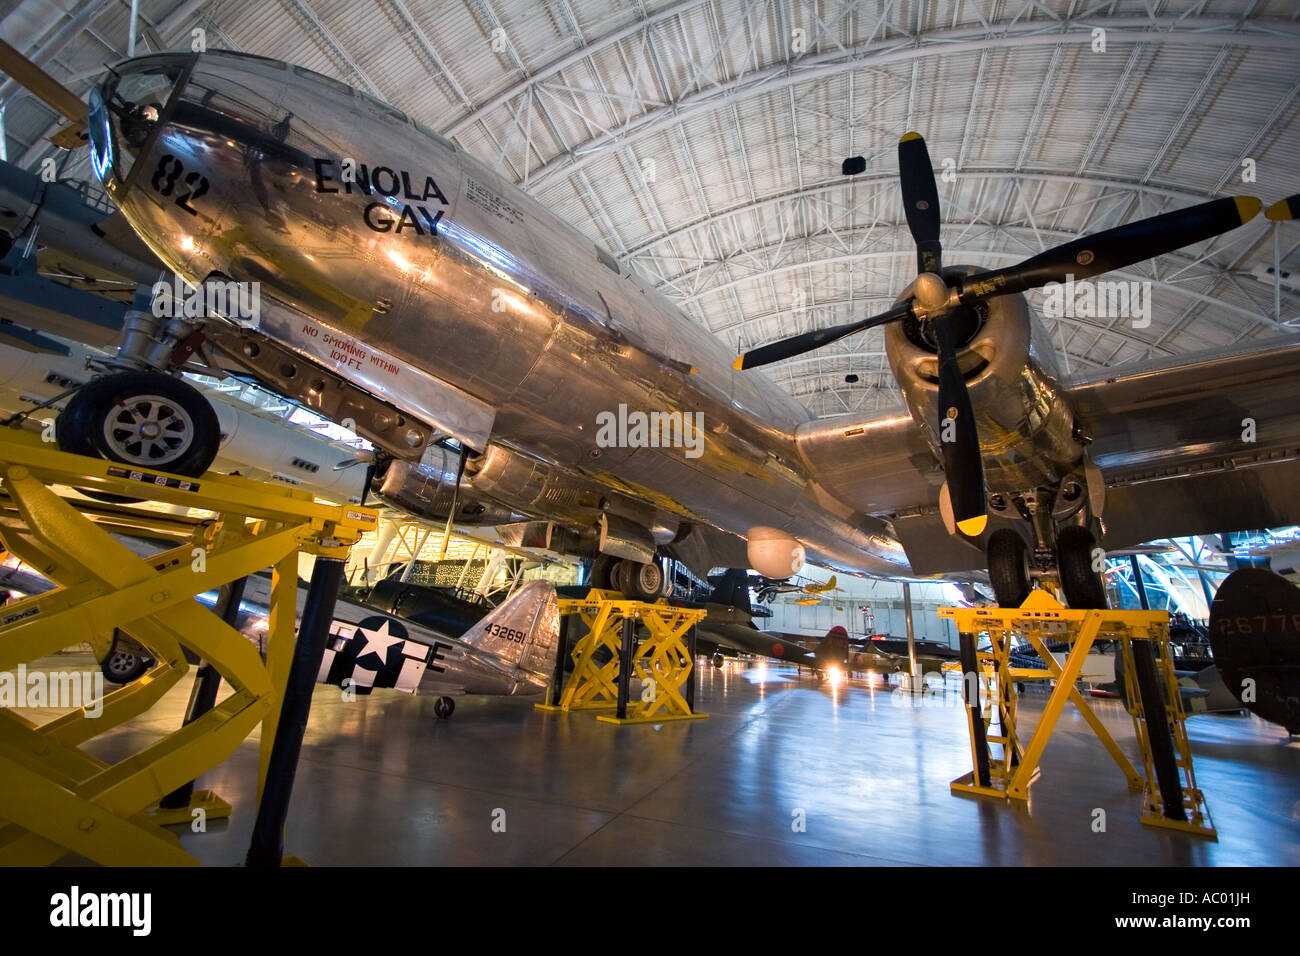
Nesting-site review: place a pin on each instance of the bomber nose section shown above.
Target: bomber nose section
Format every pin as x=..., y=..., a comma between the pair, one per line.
x=126, y=109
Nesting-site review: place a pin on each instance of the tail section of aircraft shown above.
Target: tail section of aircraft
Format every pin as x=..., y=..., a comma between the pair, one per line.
x=838, y=638
x=833, y=649
x=731, y=588
x=523, y=631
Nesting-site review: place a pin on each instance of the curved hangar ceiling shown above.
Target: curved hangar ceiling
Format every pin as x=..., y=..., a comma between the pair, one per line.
x=701, y=142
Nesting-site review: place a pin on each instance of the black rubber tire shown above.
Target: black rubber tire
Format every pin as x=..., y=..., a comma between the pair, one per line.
x=717, y=660
x=444, y=707
x=1008, y=557
x=618, y=578
x=123, y=665
x=1084, y=588
x=80, y=429
x=641, y=582
x=602, y=573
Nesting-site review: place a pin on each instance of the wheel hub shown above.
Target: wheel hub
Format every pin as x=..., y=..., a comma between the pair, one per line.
x=149, y=430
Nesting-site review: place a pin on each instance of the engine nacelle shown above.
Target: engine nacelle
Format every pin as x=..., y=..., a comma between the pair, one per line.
x=426, y=489
x=773, y=553
x=1026, y=427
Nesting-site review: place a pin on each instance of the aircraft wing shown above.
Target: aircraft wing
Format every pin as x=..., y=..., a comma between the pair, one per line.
x=1196, y=446
x=747, y=640
x=1173, y=439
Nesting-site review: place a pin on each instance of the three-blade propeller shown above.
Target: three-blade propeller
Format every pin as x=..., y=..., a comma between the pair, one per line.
x=936, y=299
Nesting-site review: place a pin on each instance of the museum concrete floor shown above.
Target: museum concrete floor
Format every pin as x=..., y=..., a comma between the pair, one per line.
x=383, y=781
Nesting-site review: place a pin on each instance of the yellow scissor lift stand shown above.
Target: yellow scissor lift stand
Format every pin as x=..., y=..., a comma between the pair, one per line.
x=1040, y=619
x=662, y=660
x=57, y=798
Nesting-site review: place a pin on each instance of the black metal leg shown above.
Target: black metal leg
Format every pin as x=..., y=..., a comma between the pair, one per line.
x=971, y=695
x=625, y=666
x=1158, y=733
x=207, y=681
x=561, y=651
x=267, y=845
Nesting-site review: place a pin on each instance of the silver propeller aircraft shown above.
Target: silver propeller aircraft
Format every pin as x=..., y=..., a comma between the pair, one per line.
x=512, y=373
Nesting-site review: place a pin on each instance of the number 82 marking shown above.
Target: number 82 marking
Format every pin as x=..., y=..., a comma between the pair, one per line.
x=164, y=181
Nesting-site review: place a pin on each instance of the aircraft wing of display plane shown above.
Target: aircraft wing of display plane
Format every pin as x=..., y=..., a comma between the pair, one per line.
x=362, y=264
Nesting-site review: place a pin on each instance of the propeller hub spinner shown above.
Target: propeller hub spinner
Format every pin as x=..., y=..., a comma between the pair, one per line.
x=931, y=293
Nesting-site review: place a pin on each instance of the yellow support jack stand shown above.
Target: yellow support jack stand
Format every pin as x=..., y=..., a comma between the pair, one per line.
x=663, y=661
x=1169, y=800
x=59, y=798
x=204, y=803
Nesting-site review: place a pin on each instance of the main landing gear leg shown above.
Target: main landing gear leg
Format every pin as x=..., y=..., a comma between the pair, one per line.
x=1064, y=551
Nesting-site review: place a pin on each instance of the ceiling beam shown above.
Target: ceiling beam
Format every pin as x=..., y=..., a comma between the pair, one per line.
x=1189, y=31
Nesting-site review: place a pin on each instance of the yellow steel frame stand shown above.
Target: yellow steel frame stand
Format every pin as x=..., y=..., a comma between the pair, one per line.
x=1042, y=618
x=663, y=657
x=57, y=798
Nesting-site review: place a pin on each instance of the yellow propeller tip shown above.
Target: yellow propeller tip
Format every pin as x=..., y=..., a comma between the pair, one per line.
x=739, y=364
x=1248, y=207
x=907, y=137
x=1280, y=211
x=693, y=371
x=973, y=527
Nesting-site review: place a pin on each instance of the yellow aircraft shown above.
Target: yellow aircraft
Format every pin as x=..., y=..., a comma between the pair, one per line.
x=817, y=590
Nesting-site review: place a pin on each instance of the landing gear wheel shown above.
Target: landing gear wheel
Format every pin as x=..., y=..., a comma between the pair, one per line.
x=144, y=419
x=602, y=573
x=1008, y=567
x=124, y=663
x=1083, y=587
x=640, y=582
x=645, y=582
x=717, y=660
x=444, y=707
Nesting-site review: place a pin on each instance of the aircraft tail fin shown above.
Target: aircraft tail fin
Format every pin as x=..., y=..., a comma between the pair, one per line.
x=523, y=630
x=731, y=588
x=838, y=638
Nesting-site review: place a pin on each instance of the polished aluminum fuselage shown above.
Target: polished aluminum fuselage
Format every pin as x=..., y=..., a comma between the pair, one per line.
x=432, y=258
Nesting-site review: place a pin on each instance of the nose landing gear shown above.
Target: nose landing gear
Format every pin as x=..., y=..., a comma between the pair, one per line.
x=143, y=419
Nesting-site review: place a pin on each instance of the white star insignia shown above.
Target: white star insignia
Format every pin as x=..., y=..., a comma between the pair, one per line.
x=378, y=642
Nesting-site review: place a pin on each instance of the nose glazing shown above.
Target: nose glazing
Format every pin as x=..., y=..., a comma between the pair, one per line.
x=126, y=109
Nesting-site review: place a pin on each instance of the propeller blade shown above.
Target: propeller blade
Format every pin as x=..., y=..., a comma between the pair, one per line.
x=43, y=86
x=807, y=341
x=1115, y=248
x=963, y=462
x=920, y=201
x=1284, y=209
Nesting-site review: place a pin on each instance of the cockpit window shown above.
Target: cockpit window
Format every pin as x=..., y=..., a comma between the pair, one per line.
x=383, y=107
x=436, y=137
x=135, y=101
x=342, y=89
